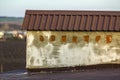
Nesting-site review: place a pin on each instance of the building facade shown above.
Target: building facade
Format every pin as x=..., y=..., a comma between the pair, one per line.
x=57, y=39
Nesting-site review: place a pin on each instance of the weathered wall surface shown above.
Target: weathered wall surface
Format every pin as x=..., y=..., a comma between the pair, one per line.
x=64, y=48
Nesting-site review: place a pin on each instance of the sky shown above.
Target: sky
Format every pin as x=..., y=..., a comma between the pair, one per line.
x=17, y=8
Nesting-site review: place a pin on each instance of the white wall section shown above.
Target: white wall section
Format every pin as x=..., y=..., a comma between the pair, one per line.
x=48, y=54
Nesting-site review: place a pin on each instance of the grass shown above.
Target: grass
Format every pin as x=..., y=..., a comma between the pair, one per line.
x=9, y=19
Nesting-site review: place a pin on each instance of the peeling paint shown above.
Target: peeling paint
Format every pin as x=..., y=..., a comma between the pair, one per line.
x=93, y=50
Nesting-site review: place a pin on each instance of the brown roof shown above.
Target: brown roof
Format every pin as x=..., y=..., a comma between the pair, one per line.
x=72, y=20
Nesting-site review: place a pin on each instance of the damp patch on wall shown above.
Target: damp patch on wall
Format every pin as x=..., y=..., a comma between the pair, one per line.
x=48, y=49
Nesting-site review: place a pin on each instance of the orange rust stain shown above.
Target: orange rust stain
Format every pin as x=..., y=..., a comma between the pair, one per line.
x=52, y=38
x=86, y=38
x=63, y=39
x=97, y=39
x=41, y=38
x=108, y=38
x=74, y=39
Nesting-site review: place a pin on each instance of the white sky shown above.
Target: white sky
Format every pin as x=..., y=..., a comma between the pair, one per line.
x=17, y=7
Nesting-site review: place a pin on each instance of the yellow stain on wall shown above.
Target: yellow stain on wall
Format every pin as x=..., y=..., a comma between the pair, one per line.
x=47, y=49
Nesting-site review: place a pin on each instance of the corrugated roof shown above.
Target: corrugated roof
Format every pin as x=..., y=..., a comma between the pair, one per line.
x=72, y=20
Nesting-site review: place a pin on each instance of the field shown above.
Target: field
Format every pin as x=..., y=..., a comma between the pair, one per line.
x=12, y=55
x=9, y=19
x=10, y=23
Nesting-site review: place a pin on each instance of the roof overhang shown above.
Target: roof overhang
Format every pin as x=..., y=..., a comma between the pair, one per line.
x=57, y=20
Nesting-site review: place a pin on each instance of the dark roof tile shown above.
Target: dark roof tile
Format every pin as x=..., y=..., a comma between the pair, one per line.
x=72, y=20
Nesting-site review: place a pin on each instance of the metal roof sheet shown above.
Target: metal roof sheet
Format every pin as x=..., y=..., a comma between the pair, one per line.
x=57, y=20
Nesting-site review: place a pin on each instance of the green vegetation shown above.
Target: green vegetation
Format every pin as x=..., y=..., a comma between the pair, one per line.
x=7, y=19
x=10, y=23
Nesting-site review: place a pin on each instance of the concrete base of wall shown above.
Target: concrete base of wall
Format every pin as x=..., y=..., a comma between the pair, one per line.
x=81, y=68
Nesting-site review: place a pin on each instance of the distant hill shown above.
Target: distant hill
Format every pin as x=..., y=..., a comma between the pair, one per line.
x=9, y=19
x=10, y=23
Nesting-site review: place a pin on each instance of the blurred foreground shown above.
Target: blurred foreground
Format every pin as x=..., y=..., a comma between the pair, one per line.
x=12, y=54
x=102, y=74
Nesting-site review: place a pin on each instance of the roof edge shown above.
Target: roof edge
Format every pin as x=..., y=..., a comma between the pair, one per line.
x=73, y=12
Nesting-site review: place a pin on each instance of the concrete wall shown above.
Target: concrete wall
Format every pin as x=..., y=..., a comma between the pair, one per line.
x=47, y=49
